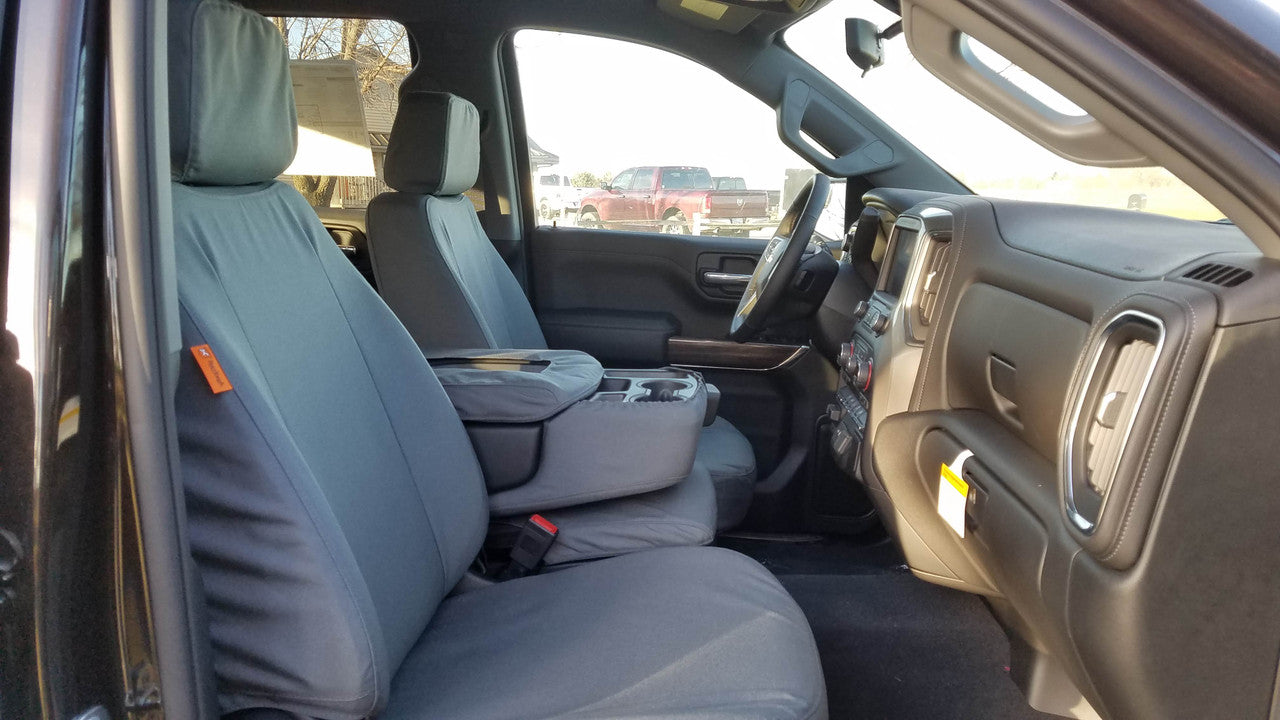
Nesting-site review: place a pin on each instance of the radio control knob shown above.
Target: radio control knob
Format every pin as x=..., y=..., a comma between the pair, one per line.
x=846, y=355
x=861, y=375
x=880, y=324
x=860, y=310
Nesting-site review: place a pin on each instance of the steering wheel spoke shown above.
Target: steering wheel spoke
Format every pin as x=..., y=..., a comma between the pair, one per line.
x=780, y=260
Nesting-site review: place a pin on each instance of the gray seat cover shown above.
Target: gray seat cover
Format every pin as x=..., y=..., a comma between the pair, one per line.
x=333, y=498
x=731, y=463
x=442, y=276
x=587, y=642
x=484, y=389
x=683, y=514
x=457, y=292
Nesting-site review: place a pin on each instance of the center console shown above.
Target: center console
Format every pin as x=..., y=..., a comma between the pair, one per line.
x=884, y=350
x=857, y=367
x=552, y=428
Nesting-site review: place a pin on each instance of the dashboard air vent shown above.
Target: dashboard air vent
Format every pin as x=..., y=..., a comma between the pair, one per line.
x=1219, y=274
x=1108, y=425
x=1106, y=410
x=931, y=273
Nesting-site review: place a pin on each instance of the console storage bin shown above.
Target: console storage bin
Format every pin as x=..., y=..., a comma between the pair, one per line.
x=553, y=429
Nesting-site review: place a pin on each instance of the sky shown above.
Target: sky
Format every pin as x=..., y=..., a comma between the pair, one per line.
x=604, y=105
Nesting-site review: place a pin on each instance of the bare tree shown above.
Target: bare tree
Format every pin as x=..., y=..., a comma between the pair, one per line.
x=380, y=50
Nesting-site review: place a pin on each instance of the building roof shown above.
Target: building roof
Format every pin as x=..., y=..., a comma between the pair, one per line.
x=540, y=158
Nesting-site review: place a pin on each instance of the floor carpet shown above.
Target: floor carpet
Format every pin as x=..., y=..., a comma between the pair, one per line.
x=894, y=646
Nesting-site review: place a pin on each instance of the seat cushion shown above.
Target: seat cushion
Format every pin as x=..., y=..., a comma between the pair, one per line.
x=671, y=633
x=681, y=515
x=728, y=457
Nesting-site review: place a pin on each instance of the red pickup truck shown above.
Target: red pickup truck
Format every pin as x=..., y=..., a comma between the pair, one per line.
x=674, y=199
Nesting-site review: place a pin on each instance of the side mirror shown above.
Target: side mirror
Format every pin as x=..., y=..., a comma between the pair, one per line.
x=605, y=186
x=862, y=43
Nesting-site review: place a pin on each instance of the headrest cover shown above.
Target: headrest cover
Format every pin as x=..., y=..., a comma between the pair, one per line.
x=231, y=114
x=435, y=145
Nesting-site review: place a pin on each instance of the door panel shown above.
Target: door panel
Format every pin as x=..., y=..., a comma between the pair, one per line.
x=576, y=269
x=614, y=294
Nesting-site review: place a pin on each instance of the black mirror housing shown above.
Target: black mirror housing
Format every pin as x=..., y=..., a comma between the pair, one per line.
x=862, y=43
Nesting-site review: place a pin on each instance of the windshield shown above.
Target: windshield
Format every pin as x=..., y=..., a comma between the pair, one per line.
x=686, y=179
x=979, y=149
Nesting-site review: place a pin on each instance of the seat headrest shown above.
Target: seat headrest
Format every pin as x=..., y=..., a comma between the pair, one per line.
x=231, y=114
x=435, y=145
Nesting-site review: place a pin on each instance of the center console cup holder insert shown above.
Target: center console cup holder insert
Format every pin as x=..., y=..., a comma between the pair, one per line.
x=614, y=385
x=661, y=390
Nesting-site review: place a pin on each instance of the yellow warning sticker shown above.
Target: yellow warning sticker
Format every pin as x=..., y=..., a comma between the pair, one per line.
x=953, y=494
x=956, y=481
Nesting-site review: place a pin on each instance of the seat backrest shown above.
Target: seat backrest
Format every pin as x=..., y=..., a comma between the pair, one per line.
x=333, y=497
x=434, y=264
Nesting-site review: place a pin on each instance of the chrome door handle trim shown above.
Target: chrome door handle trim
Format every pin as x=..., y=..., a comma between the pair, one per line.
x=723, y=278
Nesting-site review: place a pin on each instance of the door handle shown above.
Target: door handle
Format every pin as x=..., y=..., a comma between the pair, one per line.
x=711, y=277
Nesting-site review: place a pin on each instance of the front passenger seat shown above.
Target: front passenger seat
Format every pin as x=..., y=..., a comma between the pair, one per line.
x=333, y=498
x=443, y=278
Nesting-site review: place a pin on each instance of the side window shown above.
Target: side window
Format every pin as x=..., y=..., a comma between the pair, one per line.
x=643, y=180
x=346, y=84
x=650, y=107
x=623, y=181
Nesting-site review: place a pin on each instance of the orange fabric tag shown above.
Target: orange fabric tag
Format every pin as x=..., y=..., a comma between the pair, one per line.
x=211, y=368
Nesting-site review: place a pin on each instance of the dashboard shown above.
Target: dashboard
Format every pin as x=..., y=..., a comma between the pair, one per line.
x=1095, y=380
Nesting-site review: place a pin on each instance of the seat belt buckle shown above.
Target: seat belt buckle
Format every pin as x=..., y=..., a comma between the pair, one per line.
x=531, y=546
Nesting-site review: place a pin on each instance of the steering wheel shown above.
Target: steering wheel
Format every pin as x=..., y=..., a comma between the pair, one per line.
x=780, y=259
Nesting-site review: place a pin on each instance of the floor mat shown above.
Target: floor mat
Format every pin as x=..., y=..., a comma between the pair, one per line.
x=817, y=555
x=894, y=646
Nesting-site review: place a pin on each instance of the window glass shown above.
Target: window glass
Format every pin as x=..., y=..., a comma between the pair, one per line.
x=346, y=81
x=623, y=181
x=986, y=154
x=655, y=114
x=643, y=180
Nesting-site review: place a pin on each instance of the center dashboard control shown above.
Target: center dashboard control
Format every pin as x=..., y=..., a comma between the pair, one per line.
x=860, y=374
x=879, y=323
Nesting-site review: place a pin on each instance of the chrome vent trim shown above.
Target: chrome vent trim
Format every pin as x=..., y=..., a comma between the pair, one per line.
x=1110, y=417
x=1219, y=274
x=924, y=285
x=935, y=268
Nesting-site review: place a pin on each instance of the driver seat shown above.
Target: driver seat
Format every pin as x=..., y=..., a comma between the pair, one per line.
x=438, y=271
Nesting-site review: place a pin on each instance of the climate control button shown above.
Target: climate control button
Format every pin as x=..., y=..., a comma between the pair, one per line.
x=879, y=324
x=860, y=375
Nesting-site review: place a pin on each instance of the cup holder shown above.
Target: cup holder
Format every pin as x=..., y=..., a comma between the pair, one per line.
x=609, y=385
x=661, y=390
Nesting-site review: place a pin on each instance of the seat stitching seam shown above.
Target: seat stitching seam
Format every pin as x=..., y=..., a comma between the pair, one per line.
x=451, y=263
x=386, y=413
